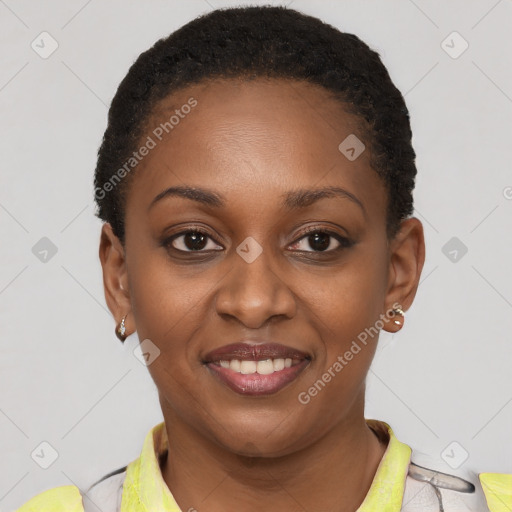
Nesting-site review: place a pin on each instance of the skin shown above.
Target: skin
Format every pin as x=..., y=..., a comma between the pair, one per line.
x=252, y=142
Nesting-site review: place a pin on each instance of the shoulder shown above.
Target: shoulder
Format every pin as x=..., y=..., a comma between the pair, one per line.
x=498, y=490
x=105, y=493
x=66, y=498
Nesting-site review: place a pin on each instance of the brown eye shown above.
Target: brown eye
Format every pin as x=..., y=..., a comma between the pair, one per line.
x=192, y=241
x=321, y=241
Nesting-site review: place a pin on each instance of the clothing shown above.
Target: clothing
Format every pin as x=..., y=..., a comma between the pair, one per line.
x=399, y=485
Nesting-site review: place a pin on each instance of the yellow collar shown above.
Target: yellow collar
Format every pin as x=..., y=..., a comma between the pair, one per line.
x=145, y=489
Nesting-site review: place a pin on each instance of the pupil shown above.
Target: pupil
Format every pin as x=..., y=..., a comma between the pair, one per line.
x=197, y=240
x=321, y=239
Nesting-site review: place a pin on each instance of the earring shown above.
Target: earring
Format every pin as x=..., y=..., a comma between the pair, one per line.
x=399, y=321
x=121, y=330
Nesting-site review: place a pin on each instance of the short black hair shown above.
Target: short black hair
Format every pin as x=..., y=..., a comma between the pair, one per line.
x=253, y=42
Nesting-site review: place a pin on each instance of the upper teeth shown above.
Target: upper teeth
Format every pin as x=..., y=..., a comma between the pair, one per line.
x=265, y=367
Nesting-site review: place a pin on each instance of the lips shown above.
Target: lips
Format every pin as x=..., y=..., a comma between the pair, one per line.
x=256, y=369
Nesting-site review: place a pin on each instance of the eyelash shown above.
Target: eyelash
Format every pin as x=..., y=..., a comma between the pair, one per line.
x=343, y=241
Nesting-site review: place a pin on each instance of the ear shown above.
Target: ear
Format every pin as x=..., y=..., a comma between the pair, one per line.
x=406, y=259
x=115, y=277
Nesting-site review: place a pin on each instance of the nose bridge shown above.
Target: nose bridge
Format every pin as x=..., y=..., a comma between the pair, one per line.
x=254, y=291
x=254, y=264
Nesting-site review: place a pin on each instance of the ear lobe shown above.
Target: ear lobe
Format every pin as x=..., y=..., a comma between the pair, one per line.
x=115, y=277
x=407, y=256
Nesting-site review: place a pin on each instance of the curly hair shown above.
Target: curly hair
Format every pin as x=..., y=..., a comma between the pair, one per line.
x=253, y=42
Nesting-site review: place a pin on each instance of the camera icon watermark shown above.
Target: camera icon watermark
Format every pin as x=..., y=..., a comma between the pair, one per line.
x=507, y=193
x=454, y=45
x=351, y=147
x=454, y=455
x=454, y=249
x=249, y=249
x=44, y=45
x=44, y=250
x=44, y=455
x=146, y=352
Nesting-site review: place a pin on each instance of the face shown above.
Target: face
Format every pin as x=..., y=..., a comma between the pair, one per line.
x=255, y=269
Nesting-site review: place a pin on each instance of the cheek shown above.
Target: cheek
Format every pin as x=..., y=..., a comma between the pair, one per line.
x=165, y=307
x=350, y=299
x=346, y=313
x=166, y=301
x=167, y=311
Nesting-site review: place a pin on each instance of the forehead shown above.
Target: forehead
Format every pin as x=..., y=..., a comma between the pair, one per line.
x=251, y=140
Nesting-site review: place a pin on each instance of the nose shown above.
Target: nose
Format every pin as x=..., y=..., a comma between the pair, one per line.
x=254, y=293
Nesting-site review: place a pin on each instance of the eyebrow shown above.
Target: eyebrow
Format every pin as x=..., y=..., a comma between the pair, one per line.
x=294, y=199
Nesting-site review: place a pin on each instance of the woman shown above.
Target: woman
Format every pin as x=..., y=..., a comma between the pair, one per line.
x=255, y=182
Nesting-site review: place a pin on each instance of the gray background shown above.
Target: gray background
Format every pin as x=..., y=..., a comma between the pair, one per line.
x=64, y=377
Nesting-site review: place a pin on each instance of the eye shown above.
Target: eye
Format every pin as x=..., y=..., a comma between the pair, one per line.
x=321, y=240
x=192, y=240
x=197, y=240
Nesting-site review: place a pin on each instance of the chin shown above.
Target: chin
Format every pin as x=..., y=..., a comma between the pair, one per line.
x=260, y=437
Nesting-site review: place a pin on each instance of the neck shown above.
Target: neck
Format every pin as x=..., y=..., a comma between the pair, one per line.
x=334, y=473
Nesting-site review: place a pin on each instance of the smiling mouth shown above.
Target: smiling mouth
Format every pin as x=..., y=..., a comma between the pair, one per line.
x=250, y=369
x=262, y=367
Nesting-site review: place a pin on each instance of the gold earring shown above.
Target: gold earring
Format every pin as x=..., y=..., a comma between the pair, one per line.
x=399, y=321
x=121, y=330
